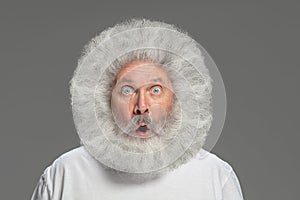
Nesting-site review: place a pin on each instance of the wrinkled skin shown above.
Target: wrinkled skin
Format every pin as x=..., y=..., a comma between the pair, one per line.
x=141, y=99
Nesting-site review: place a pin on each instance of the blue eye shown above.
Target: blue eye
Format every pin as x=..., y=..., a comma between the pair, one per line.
x=156, y=90
x=127, y=90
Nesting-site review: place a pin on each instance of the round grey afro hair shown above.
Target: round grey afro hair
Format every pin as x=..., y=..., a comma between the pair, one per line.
x=104, y=56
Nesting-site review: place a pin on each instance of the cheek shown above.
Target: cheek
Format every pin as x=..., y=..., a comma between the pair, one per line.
x=120, y=107
x=160, y=110
x=167, y=102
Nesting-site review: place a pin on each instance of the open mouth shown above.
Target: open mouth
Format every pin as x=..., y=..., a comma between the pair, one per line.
x=143, y=131
x=143, y=128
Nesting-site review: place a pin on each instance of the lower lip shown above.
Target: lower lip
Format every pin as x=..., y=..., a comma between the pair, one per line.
x=142, y=134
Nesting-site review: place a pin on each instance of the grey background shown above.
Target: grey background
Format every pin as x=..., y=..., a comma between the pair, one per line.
x=254, y=44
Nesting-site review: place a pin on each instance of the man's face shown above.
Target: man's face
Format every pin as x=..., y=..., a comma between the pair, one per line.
x=141, y=99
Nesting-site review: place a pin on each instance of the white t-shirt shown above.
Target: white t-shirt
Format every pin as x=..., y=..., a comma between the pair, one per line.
x=76, y=175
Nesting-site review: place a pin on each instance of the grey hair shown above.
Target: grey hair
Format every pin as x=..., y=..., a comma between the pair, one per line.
x=91, y=85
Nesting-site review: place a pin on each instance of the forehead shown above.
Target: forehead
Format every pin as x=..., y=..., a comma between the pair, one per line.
x=142, y=72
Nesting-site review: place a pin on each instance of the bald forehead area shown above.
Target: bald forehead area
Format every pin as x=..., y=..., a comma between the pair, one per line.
x=147, y=71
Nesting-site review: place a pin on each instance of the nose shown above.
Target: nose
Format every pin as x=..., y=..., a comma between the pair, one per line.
x=141, y=104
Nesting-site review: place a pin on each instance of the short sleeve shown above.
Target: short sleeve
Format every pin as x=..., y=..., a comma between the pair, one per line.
x=41, y=191
x=232, y=189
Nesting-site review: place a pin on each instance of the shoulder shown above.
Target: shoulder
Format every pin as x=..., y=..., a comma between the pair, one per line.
x=67, y=163
x=223, y=174
x=213, y=160
x=213, y=165
x=77, y=153
x=64, y=158
x=73, y=155
x=61, y=173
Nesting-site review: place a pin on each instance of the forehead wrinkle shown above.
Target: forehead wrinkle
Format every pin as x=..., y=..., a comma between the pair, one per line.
x=148, y=74
x=131, y=81
x=123, y=79
x=157, y=80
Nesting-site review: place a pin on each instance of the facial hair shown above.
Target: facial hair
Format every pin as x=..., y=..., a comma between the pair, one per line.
x=129, y=127
x=163, y=133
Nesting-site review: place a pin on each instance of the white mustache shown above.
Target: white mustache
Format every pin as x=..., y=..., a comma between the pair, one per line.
x=137, y=119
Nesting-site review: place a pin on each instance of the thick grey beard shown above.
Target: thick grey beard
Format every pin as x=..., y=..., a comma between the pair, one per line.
x=145, y=145
x=163, y=135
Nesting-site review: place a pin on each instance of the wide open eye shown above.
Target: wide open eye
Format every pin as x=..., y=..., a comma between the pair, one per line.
x=127, y=90
x=156, y=90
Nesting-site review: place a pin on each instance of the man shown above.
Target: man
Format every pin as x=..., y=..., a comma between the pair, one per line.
x=141, y=100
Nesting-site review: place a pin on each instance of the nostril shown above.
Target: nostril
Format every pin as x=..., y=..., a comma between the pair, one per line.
x=139, y=112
